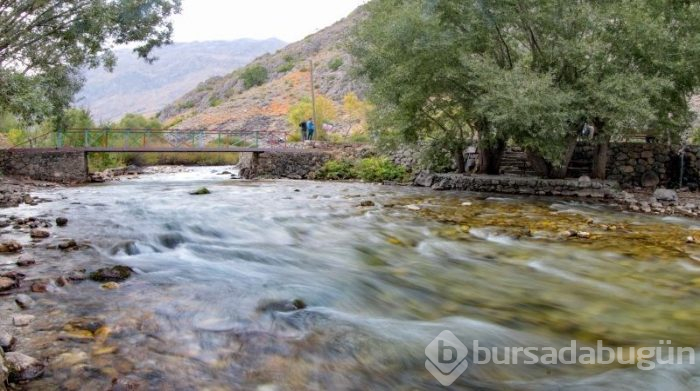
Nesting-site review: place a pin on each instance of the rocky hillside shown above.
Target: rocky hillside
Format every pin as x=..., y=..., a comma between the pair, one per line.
x=225, y=102
x=137, y=87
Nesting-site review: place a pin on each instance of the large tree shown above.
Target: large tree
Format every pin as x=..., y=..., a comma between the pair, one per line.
x=535, y=71
x=44, y=43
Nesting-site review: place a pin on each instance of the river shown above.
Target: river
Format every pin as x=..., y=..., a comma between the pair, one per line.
x=204, y=309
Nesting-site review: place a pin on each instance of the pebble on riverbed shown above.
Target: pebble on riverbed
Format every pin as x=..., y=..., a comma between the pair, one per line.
x=7, y=341
x=26, y=262
x=39, y=234
x=61, y=221
x=7, y=283
x=22, y=320
x=24, y=301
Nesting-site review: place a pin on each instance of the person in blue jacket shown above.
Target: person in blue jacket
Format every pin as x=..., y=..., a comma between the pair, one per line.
x=310, y=129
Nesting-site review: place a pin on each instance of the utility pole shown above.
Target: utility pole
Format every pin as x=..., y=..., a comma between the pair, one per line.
x=313, y=96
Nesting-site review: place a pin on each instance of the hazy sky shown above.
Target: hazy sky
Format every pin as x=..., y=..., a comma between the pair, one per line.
x=289, y=20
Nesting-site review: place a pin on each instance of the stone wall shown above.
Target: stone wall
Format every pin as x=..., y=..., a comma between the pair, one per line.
x=583, y=188
x=45, y=165
x=635, y=164
x=292, y=165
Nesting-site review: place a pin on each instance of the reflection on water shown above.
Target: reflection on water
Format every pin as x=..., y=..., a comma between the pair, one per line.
x=379, y=283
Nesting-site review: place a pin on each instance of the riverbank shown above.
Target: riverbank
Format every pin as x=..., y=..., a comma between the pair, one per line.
x=658, y=202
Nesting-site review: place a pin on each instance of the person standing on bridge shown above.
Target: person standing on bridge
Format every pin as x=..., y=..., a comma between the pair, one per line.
x=310, y=129
x=303, y=128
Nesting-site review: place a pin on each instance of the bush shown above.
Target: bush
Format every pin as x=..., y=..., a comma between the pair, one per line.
x=335, y=64
x=376, y=169
x=253, y=76
x=285, y=67
x=337, y=170
x=379, y=169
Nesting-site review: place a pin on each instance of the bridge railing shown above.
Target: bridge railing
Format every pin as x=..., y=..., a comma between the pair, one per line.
x=134, y=139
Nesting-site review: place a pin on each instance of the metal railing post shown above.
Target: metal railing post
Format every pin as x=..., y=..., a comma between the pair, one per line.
x=257, y=136
x=86, y=141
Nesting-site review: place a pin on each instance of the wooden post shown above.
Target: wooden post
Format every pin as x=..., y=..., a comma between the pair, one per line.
x=313, y=97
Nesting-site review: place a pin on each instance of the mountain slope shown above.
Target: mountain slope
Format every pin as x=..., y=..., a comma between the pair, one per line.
x=225, y=103
x=137, y=87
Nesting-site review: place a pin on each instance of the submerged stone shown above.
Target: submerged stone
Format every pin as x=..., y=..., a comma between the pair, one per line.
x=11, y=246
x=112, y=274
x=39, y=234
x=61, y=221
x=282, y=306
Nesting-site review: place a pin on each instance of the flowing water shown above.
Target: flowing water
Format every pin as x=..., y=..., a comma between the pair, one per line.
x=204, y=309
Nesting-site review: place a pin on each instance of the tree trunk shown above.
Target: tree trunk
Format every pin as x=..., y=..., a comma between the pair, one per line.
x=600, y=159
x=541, y=166
x=490, y=158
x=560, y=172
x=545, y=168
x=459, y=159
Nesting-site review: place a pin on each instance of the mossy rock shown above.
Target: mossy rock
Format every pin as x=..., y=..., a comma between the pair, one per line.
x=112, y=274
x=201, y=191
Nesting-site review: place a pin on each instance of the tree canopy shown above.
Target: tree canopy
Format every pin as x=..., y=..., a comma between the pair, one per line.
x=530, y=72
x=44, y=44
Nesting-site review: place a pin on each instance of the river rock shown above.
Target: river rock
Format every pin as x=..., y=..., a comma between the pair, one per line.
x=282, y=305
x=7, y=341
x=201, y=191
x=39, y=234
x=650, y=179
x=61, y=221
x=7, y=283
x=22, y=367
x=667, y=195
x=24, y=301
x=367, y=203
x=3, y=371
x=26, y=262
x=41, y=286
x=11, y=246
x=77, y=275
x=22, y=320
x=424, y=179
x=112, y=274
x=68, y=245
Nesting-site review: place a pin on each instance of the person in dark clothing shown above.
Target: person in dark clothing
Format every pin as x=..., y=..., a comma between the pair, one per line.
x=303, y=128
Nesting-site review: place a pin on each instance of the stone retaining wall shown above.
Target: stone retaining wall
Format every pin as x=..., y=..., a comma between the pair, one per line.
x=43, y=165
x=292, y=165
x=584, y=188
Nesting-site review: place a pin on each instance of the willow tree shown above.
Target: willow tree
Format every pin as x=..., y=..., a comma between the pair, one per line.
x=44, y=44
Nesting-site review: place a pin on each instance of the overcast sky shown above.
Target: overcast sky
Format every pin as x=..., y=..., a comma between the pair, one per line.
x=288, y=20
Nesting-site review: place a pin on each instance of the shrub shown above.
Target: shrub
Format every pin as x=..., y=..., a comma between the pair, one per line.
x=337, y=170
x=215, y=101
x=253, y=76
x=379, y=169
x=285, y=67
x=335, y=64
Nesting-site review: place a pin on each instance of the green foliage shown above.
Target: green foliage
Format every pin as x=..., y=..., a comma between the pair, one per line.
x=335, y=64
x=288, y=64
x=44, y=44
x=253, y=76
x=373, y=169
x=379, y=169
x=215, y=101
x=138, y=121
x=337, y=170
